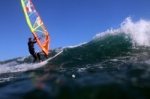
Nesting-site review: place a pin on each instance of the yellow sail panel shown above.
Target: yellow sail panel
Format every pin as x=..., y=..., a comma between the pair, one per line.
x=36, y=25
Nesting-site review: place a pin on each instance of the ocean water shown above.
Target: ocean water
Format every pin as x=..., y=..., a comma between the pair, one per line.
x=115, y=64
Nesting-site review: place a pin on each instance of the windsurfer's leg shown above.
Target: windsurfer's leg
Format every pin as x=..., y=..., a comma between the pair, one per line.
x=34, y=56
x=39, y=57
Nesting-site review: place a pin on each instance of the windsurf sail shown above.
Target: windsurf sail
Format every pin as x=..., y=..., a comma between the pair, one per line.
x=36, y=25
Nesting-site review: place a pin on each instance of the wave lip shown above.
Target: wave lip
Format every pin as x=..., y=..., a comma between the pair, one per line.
x=138, y=31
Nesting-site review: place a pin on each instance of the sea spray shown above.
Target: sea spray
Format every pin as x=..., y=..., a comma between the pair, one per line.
x=138, y=31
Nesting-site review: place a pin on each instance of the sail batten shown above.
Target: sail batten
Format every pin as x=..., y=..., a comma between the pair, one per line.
x=36, y=25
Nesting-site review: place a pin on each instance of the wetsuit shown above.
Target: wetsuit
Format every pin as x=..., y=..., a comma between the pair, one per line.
x=32, y=51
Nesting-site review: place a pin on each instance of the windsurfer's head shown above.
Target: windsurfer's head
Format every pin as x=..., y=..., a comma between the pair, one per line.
x=30, y=39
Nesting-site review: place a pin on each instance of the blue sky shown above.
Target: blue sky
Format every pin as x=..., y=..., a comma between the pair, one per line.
x=69, y=22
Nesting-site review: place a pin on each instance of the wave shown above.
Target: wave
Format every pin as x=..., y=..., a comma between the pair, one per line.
x=126, y=41
x=13, y=67
x=24, y=64
x=113, y=44
x=139, y=31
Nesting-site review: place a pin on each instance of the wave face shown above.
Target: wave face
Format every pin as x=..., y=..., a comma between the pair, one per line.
x=115, y=64
x=95, y=51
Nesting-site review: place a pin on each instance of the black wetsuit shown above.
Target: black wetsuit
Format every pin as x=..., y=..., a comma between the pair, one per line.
x=32, y=51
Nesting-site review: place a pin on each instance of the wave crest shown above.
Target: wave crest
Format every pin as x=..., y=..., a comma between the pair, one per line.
x=138, y=31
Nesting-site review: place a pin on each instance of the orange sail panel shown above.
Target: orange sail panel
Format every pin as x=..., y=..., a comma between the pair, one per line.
x=36, y=25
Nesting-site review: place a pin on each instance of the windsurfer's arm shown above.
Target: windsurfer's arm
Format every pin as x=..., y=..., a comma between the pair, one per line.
x=34, y=40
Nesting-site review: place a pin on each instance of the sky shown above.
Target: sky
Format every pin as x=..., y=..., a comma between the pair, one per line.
x=69, y=22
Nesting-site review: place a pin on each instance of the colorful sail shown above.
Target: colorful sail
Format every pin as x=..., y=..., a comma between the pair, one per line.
x=36, y=25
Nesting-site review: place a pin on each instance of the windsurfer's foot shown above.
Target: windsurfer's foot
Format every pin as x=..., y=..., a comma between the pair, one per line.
x=40, y=61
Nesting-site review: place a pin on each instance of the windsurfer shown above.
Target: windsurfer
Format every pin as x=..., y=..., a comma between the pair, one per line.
x=35, y=55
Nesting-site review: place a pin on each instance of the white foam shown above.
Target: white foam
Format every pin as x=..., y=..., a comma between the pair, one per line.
x=81, y=69
x=138, y=31
x=75, y=45
x=22, y=58
x=12, y=67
